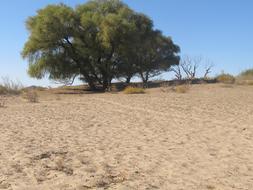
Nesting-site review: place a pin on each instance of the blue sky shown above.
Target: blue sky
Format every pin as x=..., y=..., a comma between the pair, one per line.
x=220, y=30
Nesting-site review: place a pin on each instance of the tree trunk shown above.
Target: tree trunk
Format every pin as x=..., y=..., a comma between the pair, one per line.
x=109, y=87
x=89, y=80
x=142, y=77
x=92, y=86
x=128, y=79
x=145, y=83
x=105, y=84
x=145, y=79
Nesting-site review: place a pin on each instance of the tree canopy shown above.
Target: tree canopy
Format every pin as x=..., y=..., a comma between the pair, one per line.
x=97, y=41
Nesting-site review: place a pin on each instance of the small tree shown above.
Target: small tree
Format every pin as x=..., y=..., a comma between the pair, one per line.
x=159, y=56
x=190, y=65
x=208, y=67
x=177, y=71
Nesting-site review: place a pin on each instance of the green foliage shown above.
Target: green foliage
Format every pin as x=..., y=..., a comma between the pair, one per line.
x=46, y=48
x=225, y=78
x=133, y=90
x=98, y=41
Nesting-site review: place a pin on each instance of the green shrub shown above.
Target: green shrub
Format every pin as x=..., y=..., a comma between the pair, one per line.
x=133, y=90
x=226, y=78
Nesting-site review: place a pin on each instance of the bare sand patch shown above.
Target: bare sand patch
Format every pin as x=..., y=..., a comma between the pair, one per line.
x=202, y=139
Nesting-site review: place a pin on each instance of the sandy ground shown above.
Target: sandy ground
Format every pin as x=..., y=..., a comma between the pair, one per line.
x=195, y=141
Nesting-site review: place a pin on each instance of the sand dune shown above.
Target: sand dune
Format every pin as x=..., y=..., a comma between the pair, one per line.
x=195, y=141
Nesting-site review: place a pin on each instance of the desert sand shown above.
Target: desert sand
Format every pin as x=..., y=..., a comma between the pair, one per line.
x=200, y=140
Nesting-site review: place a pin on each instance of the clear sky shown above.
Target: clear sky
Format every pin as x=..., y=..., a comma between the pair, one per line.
x=221, y=30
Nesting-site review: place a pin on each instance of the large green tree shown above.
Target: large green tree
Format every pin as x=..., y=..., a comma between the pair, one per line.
x=98, y=41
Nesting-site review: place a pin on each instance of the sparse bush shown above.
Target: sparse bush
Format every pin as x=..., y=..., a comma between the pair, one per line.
x=133, y=90
x=3, y=90
x=10, y=87
x=181, y=89
x=226, y=78
x=164, y=87
x=250, y=83
x=31, y=96
x=247, y=73
x=245, y=77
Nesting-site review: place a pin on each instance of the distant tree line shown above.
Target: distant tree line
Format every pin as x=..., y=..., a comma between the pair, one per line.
x=98, y=41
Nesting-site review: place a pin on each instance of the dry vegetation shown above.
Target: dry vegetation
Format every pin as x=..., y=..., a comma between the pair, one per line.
x=8, y=86
x=165, y=87
x=133, y=90
x=226, y=78
x=31, y=96
x=245, y=77
x=181, y=89
x=247, y=74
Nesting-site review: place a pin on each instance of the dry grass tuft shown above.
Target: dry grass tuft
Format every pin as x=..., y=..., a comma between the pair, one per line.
x=3, y=90
x=250, y=83
x=60, y=166
x=226, y=78
x=181, y=89
x=133, y=90
x=10, y=87
x=31, y=96
x=164, y=87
